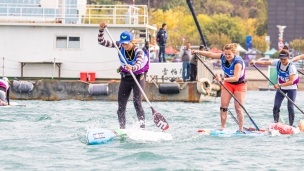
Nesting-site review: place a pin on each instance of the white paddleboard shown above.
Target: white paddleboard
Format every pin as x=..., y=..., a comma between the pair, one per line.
x=14, y=104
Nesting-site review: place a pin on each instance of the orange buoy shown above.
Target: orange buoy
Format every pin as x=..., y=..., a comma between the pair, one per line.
x=301, y=125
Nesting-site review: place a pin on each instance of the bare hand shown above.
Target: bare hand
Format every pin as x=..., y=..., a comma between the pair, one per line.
x=252, y=62
x=103, y=24
x=193, y=52
x=129, y=67
x=218, y=78
x=276, y=86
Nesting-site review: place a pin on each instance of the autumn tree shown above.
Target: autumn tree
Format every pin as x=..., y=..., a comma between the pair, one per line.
x=298, y=45
x=218, y=40
x=259, y=43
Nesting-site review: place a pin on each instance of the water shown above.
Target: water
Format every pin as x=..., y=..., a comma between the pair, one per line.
x=51, y=136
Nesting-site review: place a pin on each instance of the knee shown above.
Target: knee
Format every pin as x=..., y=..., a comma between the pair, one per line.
x=223, y=109
x=276, y=110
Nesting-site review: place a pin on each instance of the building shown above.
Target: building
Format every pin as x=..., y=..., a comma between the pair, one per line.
x=285, y=13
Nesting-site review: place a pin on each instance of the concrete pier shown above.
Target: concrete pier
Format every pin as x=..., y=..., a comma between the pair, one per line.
x=78, y=90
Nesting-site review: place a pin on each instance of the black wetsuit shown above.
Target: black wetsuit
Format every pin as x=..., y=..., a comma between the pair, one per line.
x=128, y=84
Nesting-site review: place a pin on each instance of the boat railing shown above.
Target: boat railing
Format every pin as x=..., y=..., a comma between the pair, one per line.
x=74, y=14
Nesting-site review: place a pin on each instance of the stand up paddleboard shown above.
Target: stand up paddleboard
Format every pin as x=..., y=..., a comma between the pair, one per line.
x=228, y=133
x=101, y=136
x=14, y=104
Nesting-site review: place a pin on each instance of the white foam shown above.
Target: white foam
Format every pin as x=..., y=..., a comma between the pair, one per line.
x=144, y=135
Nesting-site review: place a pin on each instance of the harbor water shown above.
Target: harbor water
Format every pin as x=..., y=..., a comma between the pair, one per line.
x=50, y=135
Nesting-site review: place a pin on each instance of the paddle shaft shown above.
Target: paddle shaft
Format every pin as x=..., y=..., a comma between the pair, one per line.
x=189, y=2
x=121, y=56
x=278, y=89
x=229, y=93
x=300, y=72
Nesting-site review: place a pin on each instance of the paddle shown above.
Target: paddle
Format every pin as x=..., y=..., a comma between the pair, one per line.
x=278, y=89
x=189, y=2
x=158, y=118
x=300, y=72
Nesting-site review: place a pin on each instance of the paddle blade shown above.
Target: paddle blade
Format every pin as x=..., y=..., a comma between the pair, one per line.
x=159, y=120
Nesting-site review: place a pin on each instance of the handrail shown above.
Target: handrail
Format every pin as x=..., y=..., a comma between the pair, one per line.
x=75, y=14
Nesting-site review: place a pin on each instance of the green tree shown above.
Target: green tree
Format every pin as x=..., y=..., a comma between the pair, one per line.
x=224, y=24
x=298, y=45
x=259, y=43
x=218, y=40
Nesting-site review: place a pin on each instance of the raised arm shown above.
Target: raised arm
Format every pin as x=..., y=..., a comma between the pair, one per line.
x=295, y=59
x=101, y=39
x=253, y=62
x=208, y=54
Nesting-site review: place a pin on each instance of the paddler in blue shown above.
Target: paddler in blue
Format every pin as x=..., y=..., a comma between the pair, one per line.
x=234, y=70
x=138, y=64
x=4, y=92
x=287, y=82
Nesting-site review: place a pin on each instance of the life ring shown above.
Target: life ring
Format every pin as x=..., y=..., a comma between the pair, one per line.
x=204, y=86
x=282, y=128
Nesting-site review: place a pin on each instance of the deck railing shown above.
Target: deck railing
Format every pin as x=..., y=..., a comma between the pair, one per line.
x=74, y=14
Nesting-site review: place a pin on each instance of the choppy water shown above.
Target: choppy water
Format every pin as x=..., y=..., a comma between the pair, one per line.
x=50, y=136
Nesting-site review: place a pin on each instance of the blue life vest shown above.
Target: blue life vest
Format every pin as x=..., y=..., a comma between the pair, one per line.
x=229, y=71
x=144, y=65
x=284, y=76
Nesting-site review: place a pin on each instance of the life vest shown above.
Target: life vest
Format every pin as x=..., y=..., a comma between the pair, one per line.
x=144, y=65
x=229, y=71
x=4, y=84
x=283, y=76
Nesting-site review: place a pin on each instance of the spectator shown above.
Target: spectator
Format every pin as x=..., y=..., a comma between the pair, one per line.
x=161, y=39
x=193, y=65
x=146, y=49
x=185, y=55
x=154, y=50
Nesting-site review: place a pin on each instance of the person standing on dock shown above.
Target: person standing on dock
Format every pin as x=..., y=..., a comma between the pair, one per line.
x=161, y=39
x=193, y=65
x=185, y=55
x=137, y=62
x=234, y=80
x=287, y=81
x=146, y=49
x=4, y=91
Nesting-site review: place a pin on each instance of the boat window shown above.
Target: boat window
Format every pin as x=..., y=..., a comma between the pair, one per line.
x=74, y=42
x=61, y=42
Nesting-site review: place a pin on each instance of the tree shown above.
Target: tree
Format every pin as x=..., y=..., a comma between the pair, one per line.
x=259, y=43
x=298, y=45
x=227, y=25
x=218, y=40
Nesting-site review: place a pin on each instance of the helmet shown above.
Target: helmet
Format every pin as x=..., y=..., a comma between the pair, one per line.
x=5, y=79
x=301, y=125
